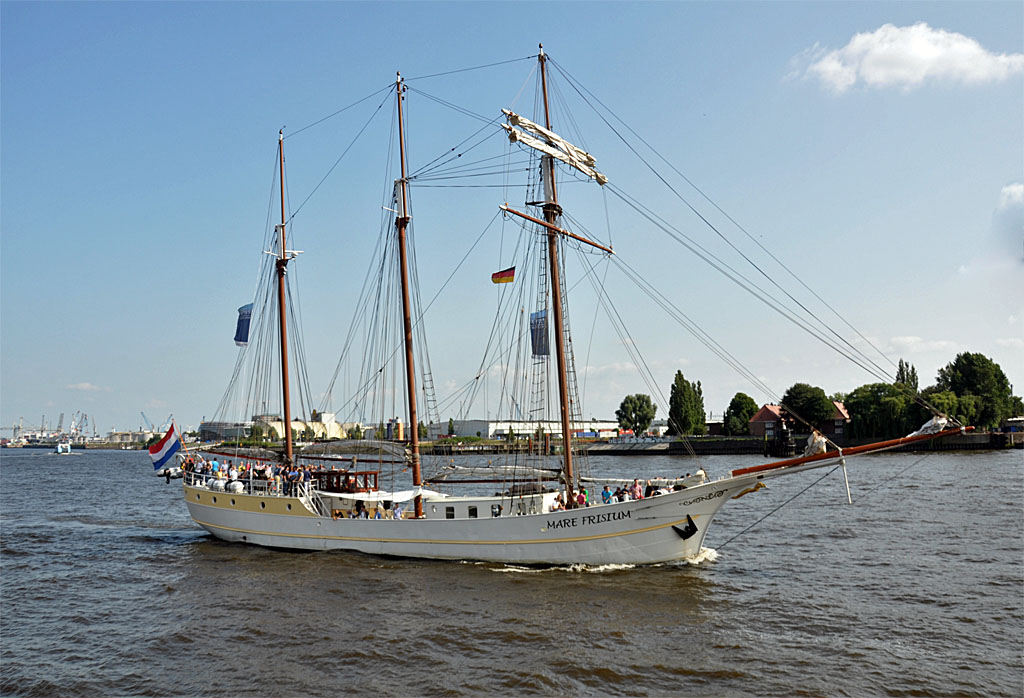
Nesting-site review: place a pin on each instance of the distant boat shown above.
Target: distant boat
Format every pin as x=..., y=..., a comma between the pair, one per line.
x=526, y=523
x=63, y=447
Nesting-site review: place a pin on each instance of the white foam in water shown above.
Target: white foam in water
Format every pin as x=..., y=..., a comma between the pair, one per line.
x=705, y=555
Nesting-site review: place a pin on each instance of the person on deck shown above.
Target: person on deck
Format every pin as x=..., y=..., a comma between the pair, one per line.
x=606, y=495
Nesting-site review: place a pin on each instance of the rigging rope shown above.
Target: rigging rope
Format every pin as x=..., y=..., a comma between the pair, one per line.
x=478, y=67
x=777, y=508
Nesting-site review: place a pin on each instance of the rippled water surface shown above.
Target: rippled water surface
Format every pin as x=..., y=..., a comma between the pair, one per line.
x=917, y=590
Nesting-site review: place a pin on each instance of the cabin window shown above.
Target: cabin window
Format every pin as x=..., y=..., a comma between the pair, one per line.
x=449, y=512
x=472, y=512
x=496, y=510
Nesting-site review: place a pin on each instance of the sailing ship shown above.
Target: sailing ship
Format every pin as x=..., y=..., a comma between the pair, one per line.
x=527, y=523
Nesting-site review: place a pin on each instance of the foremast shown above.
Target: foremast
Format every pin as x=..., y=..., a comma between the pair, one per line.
x=282, y=263
x=402, y=223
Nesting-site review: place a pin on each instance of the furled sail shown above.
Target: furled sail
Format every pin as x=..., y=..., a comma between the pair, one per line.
x=551, y=144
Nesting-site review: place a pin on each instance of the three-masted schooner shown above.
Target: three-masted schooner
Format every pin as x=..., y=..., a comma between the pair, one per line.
x=526, y=526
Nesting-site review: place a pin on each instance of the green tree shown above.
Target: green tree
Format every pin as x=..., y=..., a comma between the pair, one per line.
x=737, y=416
x=451, y=427
x=907, y=374
x=980, y=376
x=307, y=433
x=808, y=403
x=686, y=408
x=256, y=433
x=881, y=411
x=355, y=432
x=423, y=430
x=636, y=413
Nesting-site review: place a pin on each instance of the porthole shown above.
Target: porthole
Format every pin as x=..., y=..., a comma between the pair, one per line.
x=214, y=500
x=263, y=505
x=433, y=509
x=198, y=498
x=289, y=507
x=232, y=502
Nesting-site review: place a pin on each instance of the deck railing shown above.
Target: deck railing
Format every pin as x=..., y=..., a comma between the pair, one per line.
x=263, y=486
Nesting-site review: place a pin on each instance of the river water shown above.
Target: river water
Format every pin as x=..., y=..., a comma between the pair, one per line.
x=108, y=589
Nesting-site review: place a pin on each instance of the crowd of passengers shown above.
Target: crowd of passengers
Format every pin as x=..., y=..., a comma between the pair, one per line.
x=277, y=478
x=584, y=498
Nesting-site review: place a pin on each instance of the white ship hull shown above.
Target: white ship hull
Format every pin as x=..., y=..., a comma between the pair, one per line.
x=657, y=529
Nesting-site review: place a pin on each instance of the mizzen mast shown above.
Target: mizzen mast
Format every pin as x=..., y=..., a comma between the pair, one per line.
x=282, y=263
x=551, y=211
x=554, y=147
x=401, y=223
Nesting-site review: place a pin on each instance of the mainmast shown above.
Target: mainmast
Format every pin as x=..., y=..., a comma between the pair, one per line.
x=551, y=212
x=402, y=222
x=282, y=262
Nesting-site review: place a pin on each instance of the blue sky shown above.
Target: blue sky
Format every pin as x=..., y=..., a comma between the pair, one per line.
x=877, y=147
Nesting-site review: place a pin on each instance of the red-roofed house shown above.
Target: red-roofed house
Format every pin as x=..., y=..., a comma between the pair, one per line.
x=840, y=418
x=766, y=422
x=769, y=419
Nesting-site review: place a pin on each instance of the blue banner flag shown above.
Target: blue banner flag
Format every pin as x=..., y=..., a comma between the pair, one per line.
x=242, y=330
x=539, y=332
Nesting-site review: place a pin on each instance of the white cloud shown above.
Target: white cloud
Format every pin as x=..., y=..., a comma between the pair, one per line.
x=616, y=368
x=917, y=345
x=1011, y=196
x=1008, y=221
x=1011, y=343
x=87, y=388
x=906, y=57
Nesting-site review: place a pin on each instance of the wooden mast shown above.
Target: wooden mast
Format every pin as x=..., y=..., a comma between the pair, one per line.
x=402, y=222
x=551, y=211
x=282, y=262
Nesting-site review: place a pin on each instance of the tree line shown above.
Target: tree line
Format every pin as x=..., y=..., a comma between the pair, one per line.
x=971, y=389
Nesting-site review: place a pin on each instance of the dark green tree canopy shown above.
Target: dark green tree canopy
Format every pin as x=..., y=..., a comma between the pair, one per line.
x=980, y=376
x=810, y=403
x=737, y=416
x=686, y=408
x=882, y=411
x=636, y=413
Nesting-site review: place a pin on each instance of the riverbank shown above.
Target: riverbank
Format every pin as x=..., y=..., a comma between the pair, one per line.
x=734, y=445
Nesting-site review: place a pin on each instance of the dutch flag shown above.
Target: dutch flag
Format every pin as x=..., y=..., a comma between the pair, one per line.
x=163, y=450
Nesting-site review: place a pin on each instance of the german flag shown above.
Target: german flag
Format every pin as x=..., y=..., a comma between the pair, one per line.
x=505, y=276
